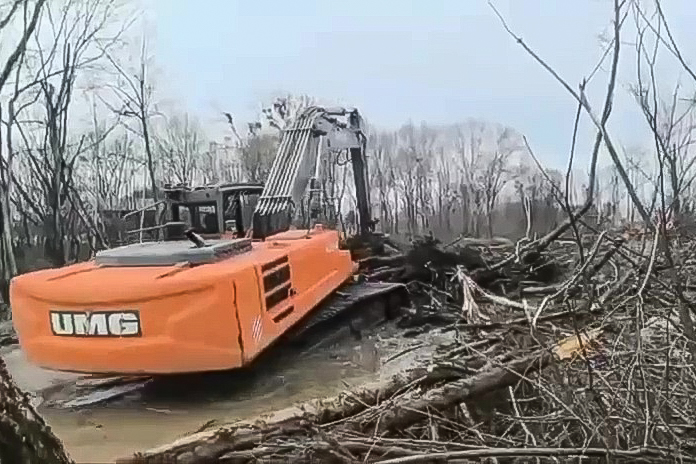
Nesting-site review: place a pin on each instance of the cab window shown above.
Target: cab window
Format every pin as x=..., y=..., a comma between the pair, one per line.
x=202, y=218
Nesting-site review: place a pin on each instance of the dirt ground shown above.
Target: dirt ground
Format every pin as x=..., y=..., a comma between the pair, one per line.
x=168, y=409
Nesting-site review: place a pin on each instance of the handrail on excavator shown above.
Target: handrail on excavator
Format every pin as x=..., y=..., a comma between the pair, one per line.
x=141, y=211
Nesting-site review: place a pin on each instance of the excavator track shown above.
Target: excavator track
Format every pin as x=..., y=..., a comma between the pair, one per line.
x=352, y=308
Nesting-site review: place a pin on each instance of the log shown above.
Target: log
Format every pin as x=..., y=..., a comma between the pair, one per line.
x=209, y=445
x=244, y=435
x=25, y=438
x=406, y=412
x=651, y=454
x=494, y=242
x=372, y=262
x=388, y=274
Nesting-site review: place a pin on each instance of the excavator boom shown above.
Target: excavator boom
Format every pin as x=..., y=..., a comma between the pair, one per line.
x=304, y=145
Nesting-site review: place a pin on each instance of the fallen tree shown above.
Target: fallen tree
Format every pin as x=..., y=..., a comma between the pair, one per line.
x=234, y=440
x=25, y=438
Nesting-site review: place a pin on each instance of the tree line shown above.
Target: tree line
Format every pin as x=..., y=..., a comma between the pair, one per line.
x=84, y=138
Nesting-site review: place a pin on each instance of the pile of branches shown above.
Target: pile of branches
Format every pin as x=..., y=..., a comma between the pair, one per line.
x=594, y=362
x=426, y=259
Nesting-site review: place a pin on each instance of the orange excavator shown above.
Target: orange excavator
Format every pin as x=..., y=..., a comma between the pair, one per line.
x=238, y=268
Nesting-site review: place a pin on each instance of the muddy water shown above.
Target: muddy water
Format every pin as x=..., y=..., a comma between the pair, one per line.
x=169, y=409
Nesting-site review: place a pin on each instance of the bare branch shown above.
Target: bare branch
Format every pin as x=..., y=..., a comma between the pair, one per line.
x=22, y=45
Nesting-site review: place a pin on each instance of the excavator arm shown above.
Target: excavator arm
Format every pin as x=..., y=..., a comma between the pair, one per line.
x=314, y=133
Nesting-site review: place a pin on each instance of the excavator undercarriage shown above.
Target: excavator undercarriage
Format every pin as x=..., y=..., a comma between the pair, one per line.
x=236, y=269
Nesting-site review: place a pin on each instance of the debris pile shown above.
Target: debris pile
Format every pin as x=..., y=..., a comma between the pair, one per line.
x=559, y=348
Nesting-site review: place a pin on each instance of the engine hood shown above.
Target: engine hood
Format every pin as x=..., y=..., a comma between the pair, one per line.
x=138, y=272
x=90, y=284
x=171, y=253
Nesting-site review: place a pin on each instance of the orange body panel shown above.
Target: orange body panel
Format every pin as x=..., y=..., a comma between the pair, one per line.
x=208, y=317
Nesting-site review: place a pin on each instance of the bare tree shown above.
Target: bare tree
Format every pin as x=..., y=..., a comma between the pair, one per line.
x=425, y=146
x=636, y=168
x=672, y=129
x=104, y=176
x=74, y=44
x=107, y=168
x=446, y=190
x=495, y=173
x=180, y=148
x=257, y=156
x=284, y=110
x=25, y=436
x=381, y=159
x=7, y=150
x=135, y=92
x=257, y=148
x=469, y=148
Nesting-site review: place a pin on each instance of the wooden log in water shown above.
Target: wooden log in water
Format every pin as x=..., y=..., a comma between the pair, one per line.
x=208, y=446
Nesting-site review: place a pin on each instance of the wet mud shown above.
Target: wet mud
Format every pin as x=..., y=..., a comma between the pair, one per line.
x=170, y=407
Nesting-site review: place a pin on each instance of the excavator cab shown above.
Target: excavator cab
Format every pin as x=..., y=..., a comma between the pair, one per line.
x=216, y=211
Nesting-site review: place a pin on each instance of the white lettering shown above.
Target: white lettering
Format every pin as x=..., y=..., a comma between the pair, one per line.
x=96, y=323
x=62, y=324
x=90, y=324
x=124, y=324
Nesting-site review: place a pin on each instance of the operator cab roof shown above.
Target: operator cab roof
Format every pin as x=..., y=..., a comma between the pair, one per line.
x=207, y=193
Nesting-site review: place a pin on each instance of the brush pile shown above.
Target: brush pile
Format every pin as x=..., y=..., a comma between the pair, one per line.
x=558, y=348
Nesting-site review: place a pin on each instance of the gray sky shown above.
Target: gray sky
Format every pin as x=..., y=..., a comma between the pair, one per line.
x=440, y=61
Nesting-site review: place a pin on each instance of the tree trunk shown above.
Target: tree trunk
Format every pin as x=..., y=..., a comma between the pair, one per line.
x=54, y=247
x=489, y=222
x=209, y=445
x=407, y=411
x=148, y=151
x=4, y=277
x=25, y=438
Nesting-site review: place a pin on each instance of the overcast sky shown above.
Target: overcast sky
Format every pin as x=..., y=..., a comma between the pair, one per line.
x=440, y=61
